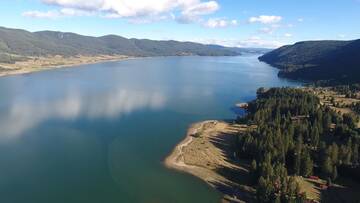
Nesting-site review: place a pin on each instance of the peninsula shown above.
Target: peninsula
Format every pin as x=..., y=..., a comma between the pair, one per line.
x=304, y=140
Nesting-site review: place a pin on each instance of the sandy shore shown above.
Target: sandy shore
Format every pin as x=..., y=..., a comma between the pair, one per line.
x=34, y=64
x=207, y=153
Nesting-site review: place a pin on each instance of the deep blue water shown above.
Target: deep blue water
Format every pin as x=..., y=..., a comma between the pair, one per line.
x=99, y=133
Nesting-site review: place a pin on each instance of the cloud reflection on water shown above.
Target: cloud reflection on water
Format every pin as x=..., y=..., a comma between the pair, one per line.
x=25, y=114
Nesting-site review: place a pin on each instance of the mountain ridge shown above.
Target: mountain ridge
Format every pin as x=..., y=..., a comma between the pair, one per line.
x=17, y=43
x=328, y=60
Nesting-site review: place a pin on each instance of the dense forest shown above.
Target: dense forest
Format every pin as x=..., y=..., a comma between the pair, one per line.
x=333, y=62
x=295, y=136
x=16, y=45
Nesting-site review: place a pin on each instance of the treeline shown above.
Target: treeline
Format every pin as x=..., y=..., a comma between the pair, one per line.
x=295, y=136
x=350, y=91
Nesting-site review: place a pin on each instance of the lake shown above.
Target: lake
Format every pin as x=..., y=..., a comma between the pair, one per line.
x=99, y=133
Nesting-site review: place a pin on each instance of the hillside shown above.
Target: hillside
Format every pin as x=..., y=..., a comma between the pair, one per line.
x=16, y=44
x=318, y=60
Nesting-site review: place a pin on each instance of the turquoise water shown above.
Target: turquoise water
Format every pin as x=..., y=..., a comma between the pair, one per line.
x=99, y=133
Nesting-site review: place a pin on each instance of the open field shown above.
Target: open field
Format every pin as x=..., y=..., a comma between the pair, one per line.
x=206, y=152
x=329, y=97
x=32, y=64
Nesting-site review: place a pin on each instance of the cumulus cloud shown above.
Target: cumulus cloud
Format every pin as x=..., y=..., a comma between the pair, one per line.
x=201, y=9
x=192, y=14
x=265, y=19
x=219, y=23
x=134, y=10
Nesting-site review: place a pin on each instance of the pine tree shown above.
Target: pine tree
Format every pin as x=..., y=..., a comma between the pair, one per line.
x=263, y=190
x=349, y=152
x=334, y=173
x=306, y=165
x=254, y=171
x=355, y=154
x=297, y=161
x=334, y=153
x=327, y=167
x=350, y=120
x=315, y=136
x=326, y=120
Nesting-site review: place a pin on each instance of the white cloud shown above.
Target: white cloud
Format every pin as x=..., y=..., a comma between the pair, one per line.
x=288, y=35
x=192, y=13
x=39, y=14
x=270, y=29
x=264, y=19
x=220, y=23
x=300, y=20
x=253, y=42
x=201, y=9
x=134, y=10
x=52, y=14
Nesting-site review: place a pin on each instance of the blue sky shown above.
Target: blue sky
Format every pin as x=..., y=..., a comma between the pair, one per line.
x=243, y=23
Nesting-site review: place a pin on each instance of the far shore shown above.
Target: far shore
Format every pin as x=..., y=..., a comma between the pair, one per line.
x=206, y=153
x=35, y=64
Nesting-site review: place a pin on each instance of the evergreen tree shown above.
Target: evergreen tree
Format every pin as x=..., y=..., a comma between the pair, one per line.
x=306, y=165
x=327, y=167
x=315, y=136
x=254, y=171
x=334, y=173
x=334, y=153
x=349, y=152
x=350, y=120
x=263, y=191
x=297, y=162
x=355, y=154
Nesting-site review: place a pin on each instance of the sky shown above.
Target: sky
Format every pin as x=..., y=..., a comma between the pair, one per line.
x=238, y=23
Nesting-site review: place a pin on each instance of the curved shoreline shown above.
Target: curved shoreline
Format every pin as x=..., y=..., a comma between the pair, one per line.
x=205, y=152
x=176, y=159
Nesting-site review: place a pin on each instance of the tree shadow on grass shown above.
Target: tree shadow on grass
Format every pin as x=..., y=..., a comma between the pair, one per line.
x=346, y=193
x=238, y=188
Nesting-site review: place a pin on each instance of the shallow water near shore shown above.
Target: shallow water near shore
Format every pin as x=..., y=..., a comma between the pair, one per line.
x=99, y=133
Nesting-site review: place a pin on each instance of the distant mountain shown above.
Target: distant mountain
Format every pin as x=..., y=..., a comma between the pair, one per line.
x=250, y=50
x=318, y=60
x=16, y=44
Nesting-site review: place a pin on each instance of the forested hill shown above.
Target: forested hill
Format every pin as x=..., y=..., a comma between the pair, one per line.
x=15, y=42
x=337, y=61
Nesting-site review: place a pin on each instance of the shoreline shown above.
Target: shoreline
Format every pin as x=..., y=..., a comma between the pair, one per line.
x=205, y=153
x=51, y=63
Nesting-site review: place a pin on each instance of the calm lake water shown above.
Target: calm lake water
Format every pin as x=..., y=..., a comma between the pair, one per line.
x=99, y=133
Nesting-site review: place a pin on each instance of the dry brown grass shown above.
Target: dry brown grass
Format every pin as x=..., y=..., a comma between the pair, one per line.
x=310, y=187
x=44, y=63
x=326, y=95
x=207, y=153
